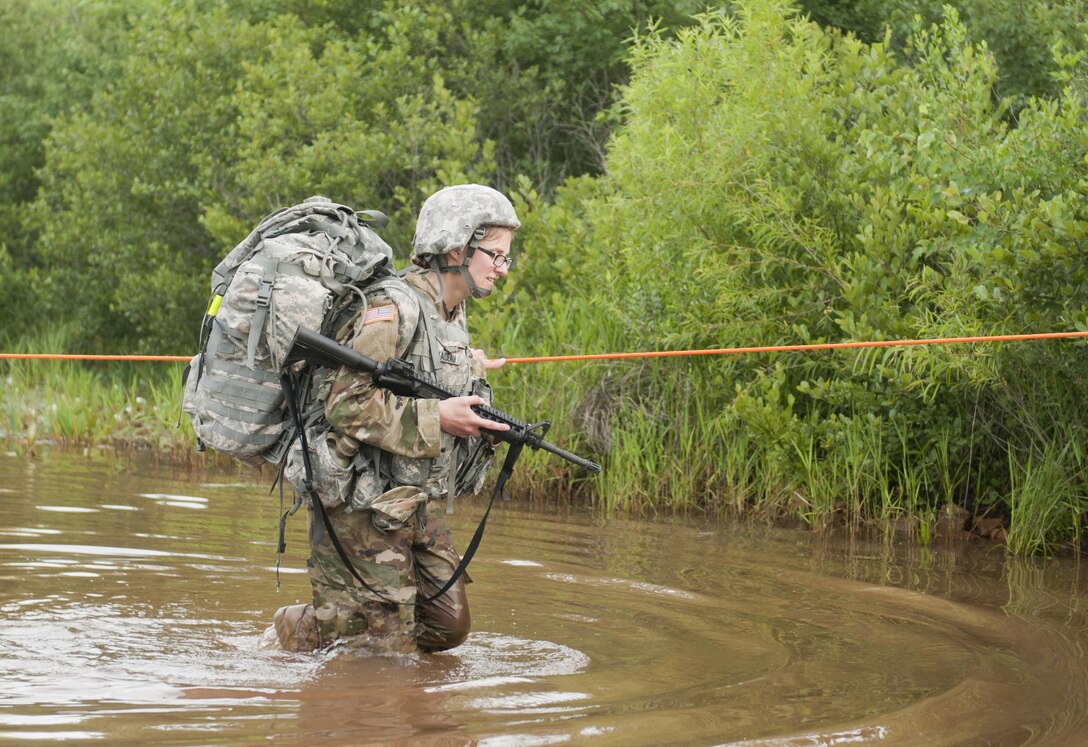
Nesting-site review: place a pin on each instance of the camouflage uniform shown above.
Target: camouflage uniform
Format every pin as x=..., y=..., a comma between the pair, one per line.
x=394, y=526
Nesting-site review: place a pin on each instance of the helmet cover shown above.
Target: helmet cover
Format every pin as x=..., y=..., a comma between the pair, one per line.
x=451, y=216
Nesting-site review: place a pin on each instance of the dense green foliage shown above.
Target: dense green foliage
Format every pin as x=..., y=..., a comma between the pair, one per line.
x=740, y=177
x=203, y=116
x=128, y=405
x=1019, y=33
x=776, y=184
x=819, y=188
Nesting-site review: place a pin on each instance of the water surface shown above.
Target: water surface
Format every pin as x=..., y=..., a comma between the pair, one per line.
x=133, y=598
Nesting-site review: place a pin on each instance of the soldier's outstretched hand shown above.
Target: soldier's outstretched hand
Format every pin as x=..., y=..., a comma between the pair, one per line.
x=489, y=364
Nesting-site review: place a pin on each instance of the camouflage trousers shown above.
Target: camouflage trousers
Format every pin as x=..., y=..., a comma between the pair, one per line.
x=404, y=561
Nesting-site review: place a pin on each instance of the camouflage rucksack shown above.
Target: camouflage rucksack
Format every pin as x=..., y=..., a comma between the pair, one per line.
x=301, y=265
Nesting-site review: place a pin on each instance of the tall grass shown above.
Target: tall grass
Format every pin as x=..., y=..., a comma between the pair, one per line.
x=72, y=403
x=670, y=436
x=1046, y=503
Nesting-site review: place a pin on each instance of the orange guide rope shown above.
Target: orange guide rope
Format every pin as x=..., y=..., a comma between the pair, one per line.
x=794, y=348
x=618, y=356
x=78, y=357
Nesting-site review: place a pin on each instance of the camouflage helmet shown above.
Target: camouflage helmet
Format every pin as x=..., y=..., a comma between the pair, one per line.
x=451, y=216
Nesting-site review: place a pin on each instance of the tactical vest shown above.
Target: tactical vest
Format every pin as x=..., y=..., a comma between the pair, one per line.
x=439, y=348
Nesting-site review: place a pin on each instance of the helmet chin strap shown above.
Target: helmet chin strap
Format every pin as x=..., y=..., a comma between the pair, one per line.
x=470, y=250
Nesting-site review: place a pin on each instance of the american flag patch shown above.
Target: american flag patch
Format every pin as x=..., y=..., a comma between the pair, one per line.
x=380, y=314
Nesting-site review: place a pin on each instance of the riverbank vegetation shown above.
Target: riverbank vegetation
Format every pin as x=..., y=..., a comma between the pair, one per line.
x=747, y=175
x=72, y=405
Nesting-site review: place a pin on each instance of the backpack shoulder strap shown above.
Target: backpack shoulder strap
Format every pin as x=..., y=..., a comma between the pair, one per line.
x=412, y=311
x=423, y=329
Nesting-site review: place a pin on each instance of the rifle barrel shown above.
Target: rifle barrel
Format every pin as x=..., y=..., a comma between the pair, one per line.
x=308, y=345
x=571, y=457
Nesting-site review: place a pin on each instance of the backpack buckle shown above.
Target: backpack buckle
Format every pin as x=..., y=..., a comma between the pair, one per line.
x=264, y=293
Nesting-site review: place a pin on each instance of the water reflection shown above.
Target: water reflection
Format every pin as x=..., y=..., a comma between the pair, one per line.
x=132, y=602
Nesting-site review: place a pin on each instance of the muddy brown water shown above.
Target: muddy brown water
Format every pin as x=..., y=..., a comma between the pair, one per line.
x=132, y=600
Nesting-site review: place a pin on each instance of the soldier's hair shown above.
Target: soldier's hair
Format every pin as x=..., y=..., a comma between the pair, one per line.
x=491, y=232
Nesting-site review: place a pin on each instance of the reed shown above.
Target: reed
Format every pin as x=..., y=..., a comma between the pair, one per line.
x=71, y=403
x=673, y=439
x=1046, y=504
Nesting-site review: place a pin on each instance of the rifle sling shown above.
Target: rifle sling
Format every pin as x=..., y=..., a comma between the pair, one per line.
x=512, y=454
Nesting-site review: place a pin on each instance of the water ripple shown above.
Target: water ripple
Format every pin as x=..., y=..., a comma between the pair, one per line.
x=146, y=630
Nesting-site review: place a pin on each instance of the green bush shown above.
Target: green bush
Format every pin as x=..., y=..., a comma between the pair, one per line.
x=776, y=184
x=1019, y=34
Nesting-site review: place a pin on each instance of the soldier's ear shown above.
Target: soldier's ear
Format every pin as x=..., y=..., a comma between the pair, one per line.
x=455, y=256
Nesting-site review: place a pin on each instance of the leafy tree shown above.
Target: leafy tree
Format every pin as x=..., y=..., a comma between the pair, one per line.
x=556, y=68
x=1019, y=33
x=212, y=122
x=123, y=185
x=217, y=114
x=56, y=54
x=366, y=123
x=547, y=72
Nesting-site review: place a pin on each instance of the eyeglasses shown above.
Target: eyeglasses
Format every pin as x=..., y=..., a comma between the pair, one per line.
x=500, y=260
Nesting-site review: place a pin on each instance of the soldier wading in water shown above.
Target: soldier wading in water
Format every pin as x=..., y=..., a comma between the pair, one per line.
x=388, y=467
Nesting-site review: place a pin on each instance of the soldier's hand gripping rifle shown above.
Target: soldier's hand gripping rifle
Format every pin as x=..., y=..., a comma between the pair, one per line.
x=401, y=378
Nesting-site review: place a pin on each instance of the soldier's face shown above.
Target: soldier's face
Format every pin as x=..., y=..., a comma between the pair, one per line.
x=482, y=267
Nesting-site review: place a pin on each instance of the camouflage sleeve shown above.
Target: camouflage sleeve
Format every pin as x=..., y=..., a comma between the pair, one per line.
x=401, y=425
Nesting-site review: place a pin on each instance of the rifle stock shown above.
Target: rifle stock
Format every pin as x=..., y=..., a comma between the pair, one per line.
x=400, y=377
x=311, y=347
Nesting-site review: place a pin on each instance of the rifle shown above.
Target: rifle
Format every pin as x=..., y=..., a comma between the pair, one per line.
x=400, y=377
